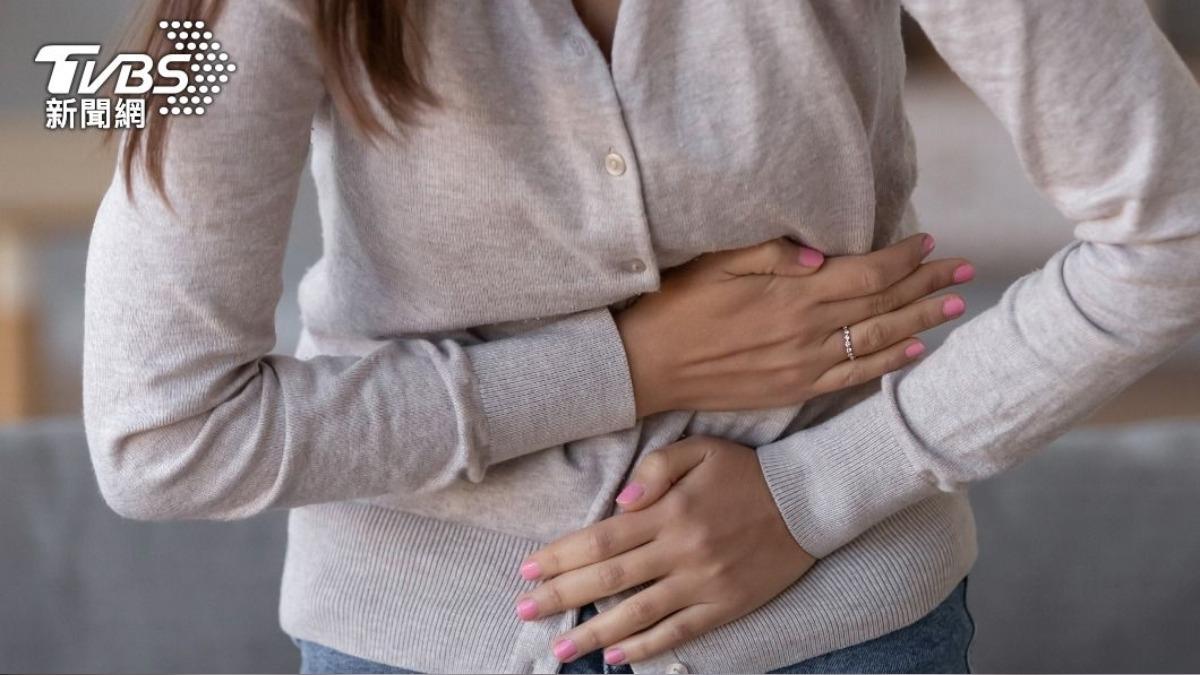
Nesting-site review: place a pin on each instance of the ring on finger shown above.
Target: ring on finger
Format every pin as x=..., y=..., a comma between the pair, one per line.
x=847, y=342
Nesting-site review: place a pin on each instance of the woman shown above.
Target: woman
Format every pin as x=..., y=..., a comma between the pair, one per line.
x=498, y=182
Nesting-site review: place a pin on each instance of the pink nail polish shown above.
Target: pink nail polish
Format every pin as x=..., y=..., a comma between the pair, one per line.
x=531, y=571
x=927, y=244
x=564, y=649
x=631, y=494
x=811, y=257
x=964, y=273
x=614, y=656
x=952, y=307
x=527, y=609
x=914, y=350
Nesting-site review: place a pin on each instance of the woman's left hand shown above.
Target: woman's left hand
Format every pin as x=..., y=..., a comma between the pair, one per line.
x=700, y=526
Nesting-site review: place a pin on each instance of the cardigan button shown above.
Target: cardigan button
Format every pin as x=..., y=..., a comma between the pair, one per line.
x=634, y=266
x=677, y=669
x=614, y=164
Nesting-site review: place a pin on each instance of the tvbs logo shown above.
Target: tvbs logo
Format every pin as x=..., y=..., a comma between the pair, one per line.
x=190, y=75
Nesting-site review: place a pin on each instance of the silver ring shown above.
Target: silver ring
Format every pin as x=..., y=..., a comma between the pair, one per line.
x=847, y=342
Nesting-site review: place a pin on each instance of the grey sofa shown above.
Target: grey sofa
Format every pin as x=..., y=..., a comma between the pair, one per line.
x=1089, y=563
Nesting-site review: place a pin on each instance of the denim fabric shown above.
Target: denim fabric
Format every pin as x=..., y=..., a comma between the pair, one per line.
x=317, y=658
x=937, y=643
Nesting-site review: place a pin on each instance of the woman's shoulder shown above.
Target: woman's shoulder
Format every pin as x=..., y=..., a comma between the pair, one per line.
x=272, y=43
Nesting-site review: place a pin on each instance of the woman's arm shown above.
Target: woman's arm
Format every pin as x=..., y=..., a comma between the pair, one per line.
x=1106, y=120
x=186, y=413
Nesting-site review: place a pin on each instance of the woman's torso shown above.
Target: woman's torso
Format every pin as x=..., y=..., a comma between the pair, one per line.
x=557, y=185
x=734, y=123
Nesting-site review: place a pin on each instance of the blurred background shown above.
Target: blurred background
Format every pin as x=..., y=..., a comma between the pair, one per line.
x=1088, y=552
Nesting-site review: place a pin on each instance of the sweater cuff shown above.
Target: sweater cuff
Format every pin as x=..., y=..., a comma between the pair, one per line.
x=562, y=382
x=833, y=481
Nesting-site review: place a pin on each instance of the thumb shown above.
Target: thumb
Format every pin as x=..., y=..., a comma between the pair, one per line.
x=659, y=470
x=780, y=256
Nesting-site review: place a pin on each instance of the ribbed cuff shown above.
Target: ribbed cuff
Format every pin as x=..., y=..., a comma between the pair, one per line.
x=835, y=480
x=562, y=382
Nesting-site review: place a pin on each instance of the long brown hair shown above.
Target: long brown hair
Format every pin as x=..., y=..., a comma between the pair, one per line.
x=375, y=37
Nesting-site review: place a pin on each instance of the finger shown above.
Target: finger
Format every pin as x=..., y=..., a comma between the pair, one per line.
x=588, y=584
x=659, y=470
x=604, y=540
x=878, y=332
x=862, y=369
x=778, y=256
x=852, y=276
x=675, y=630
x=642, y=610
x=927, y=279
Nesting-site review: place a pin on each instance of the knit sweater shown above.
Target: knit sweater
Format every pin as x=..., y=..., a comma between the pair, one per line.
x=461, y=394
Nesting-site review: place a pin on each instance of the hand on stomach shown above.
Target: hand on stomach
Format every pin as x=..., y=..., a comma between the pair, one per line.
x=751, y=328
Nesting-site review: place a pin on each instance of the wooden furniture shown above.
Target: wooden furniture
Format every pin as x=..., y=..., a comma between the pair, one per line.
x=50, y=185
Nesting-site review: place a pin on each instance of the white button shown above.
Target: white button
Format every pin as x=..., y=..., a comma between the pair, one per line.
x=614, y=164
x=634, y=265
x=677, y=669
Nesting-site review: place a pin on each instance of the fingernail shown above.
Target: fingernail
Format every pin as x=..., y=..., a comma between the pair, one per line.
x=630, y=494
x=952, y=307
x=927, y=244
x=964, y=273
x=531, y=571
x=914, y=350
x=811, y=257
x=564, y=649
x=614, y=656
x=527, y=609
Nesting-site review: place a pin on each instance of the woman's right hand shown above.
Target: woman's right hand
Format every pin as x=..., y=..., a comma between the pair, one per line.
x=761, y=326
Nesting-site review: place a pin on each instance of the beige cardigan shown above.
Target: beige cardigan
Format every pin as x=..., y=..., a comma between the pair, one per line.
x=461, y=393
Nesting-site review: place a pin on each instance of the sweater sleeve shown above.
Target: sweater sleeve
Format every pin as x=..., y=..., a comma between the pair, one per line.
x=1103, y=115
x=188, y=415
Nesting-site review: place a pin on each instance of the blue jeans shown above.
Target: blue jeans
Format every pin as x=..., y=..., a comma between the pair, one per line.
x=936, y=643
